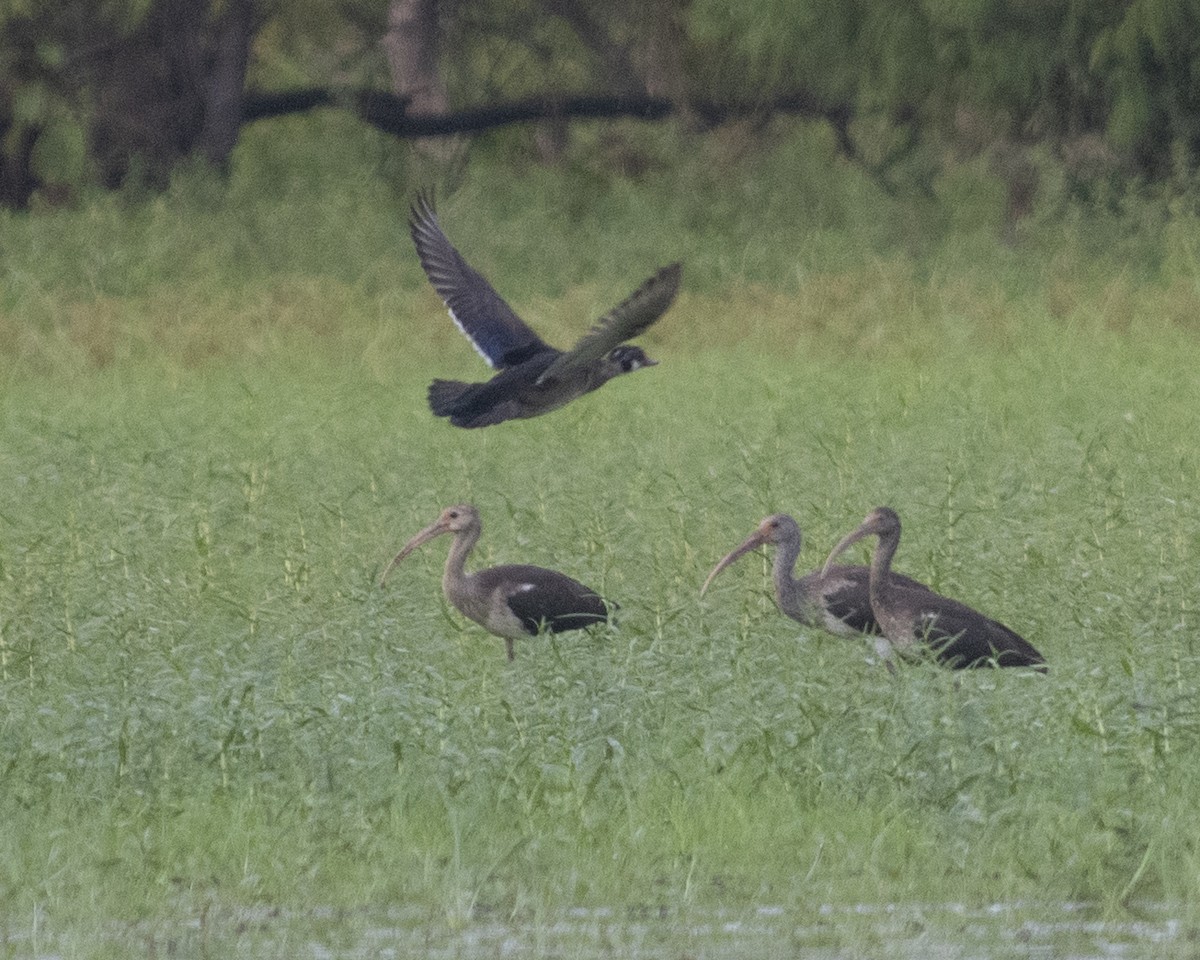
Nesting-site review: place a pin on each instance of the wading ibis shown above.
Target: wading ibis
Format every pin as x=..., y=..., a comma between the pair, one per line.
x=835, y=599
x=534, y=377
x=513, y=601
x=915, y=618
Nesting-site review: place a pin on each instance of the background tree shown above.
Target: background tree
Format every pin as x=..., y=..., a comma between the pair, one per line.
x=109, y=90
x=144, y=85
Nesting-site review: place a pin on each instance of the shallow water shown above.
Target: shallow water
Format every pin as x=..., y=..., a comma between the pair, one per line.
x=1070, y=931
x=919, y=932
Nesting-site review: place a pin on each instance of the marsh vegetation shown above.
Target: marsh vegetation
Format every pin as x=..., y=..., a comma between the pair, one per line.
x=214, y=437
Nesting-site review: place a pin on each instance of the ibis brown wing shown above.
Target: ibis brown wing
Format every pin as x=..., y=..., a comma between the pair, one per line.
x=850, y=601
x=849, y=596
x=550, y=600
x=961, y=637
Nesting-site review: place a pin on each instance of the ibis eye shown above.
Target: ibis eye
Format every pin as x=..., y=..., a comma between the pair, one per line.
x=453, y=514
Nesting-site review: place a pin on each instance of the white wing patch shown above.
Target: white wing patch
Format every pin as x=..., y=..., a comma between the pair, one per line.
x=470, y=339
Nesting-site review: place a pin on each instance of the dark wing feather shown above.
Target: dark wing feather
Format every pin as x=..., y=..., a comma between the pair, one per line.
x=623, y=322
x=501, y=337
x=850, y=599
x=553, y=600
x=961, y=637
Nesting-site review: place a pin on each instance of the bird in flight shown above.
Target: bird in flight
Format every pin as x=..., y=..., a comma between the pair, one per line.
x=534, y=377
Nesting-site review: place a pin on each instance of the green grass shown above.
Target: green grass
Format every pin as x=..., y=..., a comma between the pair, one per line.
x=213, y=437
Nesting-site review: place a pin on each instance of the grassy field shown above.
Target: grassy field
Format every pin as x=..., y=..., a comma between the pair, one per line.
x=217, y=735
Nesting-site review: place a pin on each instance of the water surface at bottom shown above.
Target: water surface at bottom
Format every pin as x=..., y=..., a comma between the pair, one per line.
x=904, y=932
x=1062, y=932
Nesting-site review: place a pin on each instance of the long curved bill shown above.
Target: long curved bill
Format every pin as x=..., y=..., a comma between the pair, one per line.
x=843, y=545
x=756, y=539
x=435, y=529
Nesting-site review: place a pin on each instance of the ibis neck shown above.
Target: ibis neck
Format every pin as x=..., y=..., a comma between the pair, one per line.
x=788, y=590
x=881, y=570
x=456, y=562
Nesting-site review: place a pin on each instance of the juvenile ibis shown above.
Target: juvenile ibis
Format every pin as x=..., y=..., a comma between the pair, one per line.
x=912, y=618
x=835, y=599
x=512, y=601
x=534, y=377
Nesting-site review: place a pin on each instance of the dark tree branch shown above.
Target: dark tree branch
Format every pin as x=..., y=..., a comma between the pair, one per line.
x=390, y=113
x=387, y=113
x=263, y=106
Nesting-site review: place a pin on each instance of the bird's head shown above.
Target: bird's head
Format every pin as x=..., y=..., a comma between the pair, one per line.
x=880, y=522
x=454, y=519
x=775, y=529
x=626, y=359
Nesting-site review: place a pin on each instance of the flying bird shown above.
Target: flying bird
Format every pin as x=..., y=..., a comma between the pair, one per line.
x=913, y=620
x=534, y=377
x=512, y=601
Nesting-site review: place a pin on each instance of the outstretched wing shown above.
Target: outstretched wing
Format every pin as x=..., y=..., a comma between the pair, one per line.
x=501, y=337
x=623, y=322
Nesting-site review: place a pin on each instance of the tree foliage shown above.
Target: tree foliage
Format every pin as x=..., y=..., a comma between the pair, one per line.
x=1151, y=58
x=108, y=90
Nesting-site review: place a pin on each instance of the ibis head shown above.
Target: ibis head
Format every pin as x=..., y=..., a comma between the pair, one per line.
x=882, y=522
x=776, y=529
x=457, y=519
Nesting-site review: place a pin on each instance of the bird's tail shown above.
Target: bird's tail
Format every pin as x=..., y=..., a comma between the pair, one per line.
x=446, y=396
